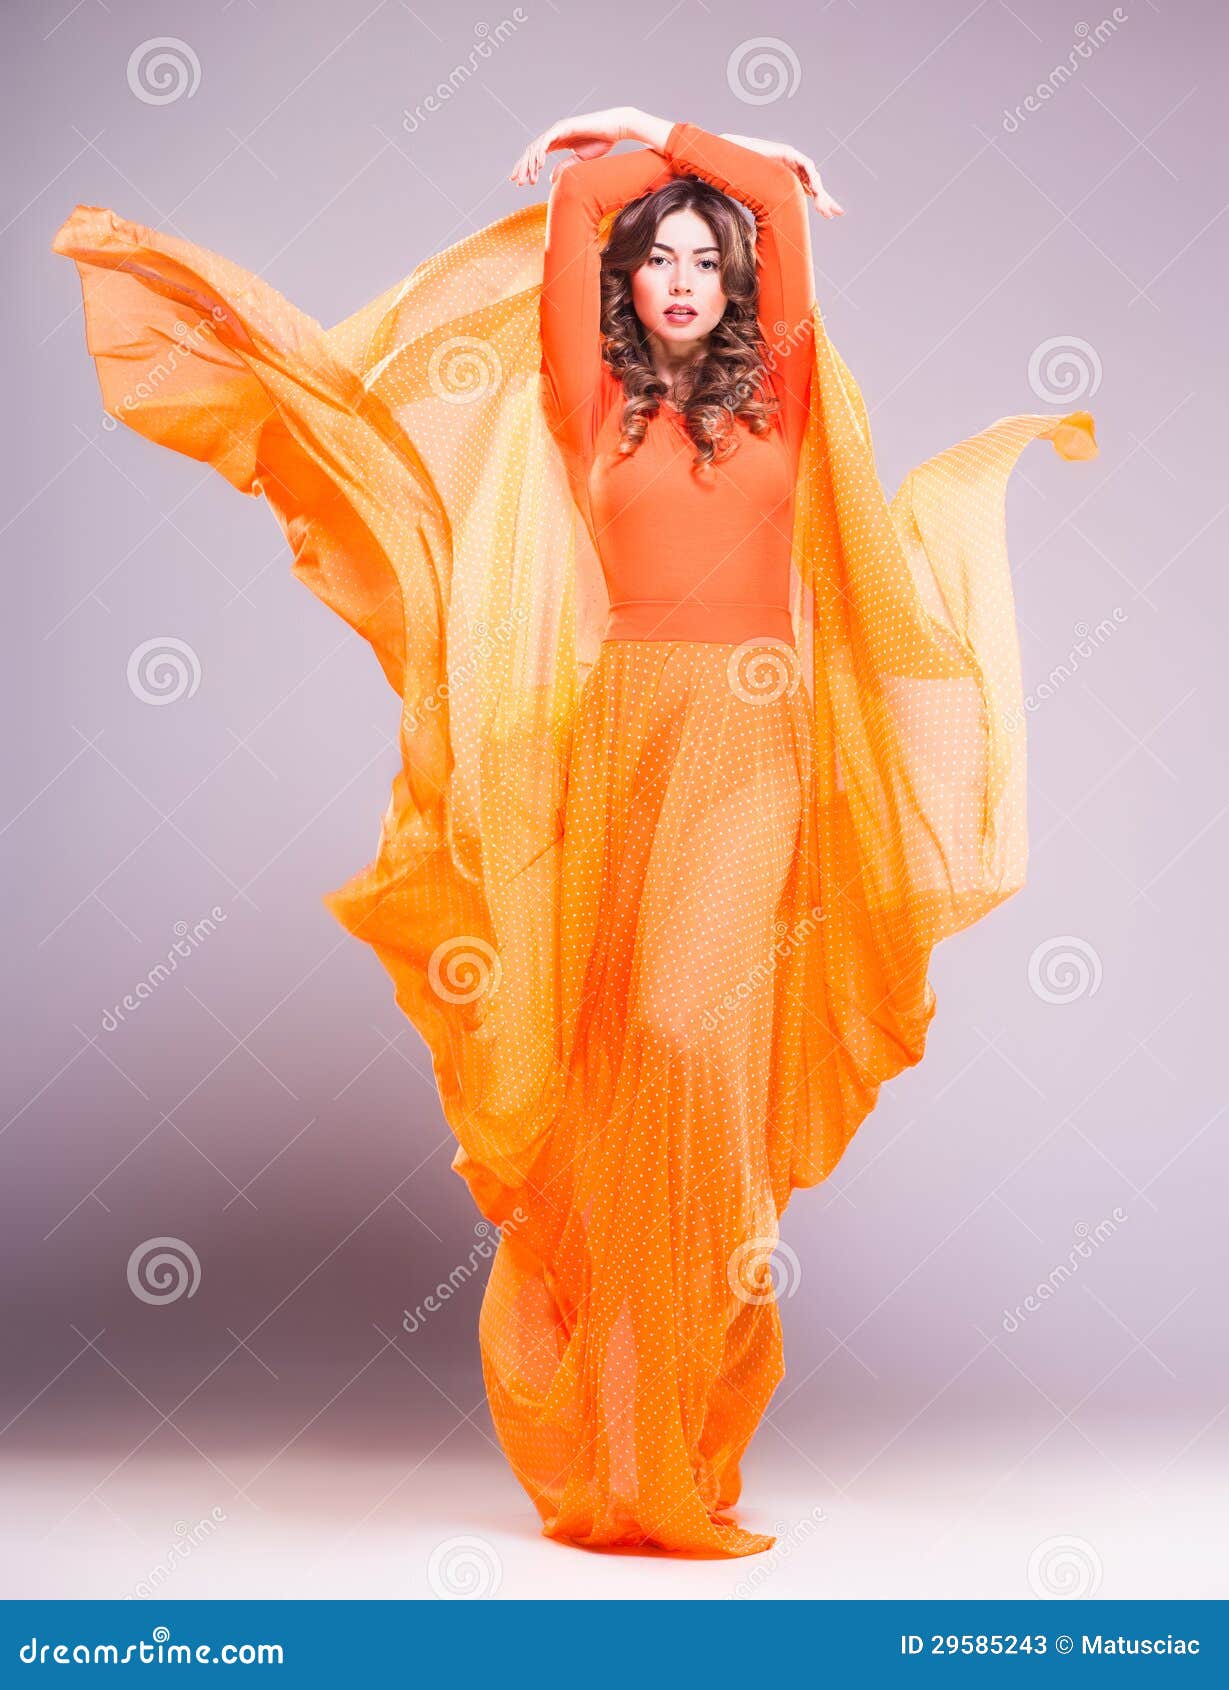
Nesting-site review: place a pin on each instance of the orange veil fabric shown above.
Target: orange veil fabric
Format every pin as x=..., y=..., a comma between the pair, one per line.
x=407, y=457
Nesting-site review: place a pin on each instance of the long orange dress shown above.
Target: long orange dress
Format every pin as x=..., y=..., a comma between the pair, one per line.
x=658, y=883
x=653, y=1194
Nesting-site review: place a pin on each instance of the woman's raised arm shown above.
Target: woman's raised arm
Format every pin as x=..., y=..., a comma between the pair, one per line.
x=774, y=194
x=571, y=308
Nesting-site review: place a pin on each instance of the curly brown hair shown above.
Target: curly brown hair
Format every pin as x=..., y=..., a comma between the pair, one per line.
x=730, y=378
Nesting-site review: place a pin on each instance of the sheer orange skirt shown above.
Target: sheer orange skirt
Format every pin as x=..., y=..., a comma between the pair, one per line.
x=630, y=1333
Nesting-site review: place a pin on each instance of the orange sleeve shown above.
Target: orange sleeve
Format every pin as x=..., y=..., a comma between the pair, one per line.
x=571, y=306
x=773, y=192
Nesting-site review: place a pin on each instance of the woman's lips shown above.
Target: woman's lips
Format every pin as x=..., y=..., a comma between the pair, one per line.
x=680, y=313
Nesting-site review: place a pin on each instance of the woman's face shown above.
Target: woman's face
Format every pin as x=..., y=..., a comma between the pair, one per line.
x=681, y=271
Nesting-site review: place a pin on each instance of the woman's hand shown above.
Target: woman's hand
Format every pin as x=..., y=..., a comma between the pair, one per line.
x=803, y=167
x=589, y=136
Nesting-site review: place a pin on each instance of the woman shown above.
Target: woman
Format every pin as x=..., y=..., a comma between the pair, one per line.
x=704, y=746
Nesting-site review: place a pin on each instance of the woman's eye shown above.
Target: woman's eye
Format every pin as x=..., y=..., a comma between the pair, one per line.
x=657, y=259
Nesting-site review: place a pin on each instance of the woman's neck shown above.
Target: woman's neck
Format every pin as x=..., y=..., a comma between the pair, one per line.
x=670, y=363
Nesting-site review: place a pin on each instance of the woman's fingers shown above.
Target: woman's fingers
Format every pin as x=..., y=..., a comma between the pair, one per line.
x=587, y=141
x=589, y=135
x=808, y=173
x=537, y=153
x=824, y=202
x=528, y=167
x=520, y=170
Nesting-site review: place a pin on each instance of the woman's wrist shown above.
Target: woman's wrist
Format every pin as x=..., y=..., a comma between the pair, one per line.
x=652, y=131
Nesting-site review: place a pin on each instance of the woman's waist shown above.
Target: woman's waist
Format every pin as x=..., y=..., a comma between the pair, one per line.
x=722, y=621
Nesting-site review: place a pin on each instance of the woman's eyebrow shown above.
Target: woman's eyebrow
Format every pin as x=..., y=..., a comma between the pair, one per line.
x=670, y=249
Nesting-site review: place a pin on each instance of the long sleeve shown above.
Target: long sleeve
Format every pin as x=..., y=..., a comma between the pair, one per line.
x=571, y=284
x=773, y=193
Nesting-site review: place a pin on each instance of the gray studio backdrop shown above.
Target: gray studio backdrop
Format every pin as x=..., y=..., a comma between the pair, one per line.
x=1026, y=1240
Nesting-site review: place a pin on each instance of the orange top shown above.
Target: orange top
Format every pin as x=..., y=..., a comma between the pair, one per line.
x=682, y=558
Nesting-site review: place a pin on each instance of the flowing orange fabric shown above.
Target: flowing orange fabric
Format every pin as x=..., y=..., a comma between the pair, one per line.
x=662, y=910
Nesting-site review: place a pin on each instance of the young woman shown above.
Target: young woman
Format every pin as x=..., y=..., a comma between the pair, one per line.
x=704, y=746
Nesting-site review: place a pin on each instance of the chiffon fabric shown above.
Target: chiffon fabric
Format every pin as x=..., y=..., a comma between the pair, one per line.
x=662, y=910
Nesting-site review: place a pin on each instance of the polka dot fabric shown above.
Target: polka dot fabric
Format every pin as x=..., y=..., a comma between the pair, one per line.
x=629, y=1348
x=662, y=910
